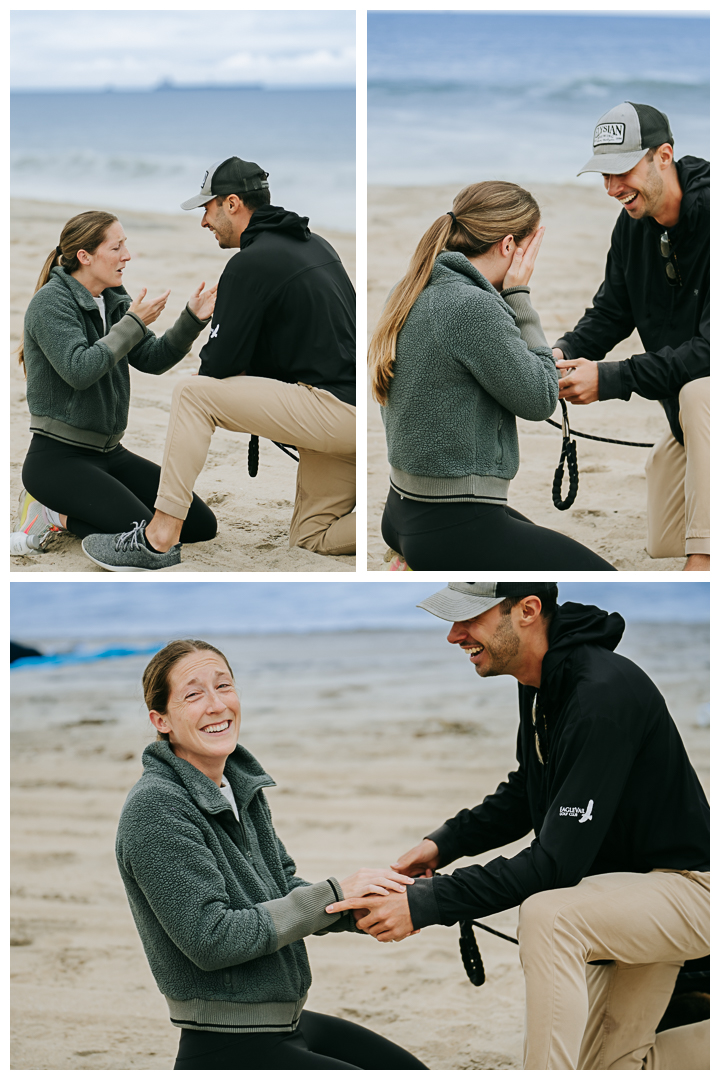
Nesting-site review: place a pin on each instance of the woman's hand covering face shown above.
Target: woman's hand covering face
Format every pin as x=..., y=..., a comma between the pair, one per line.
x=523, y=261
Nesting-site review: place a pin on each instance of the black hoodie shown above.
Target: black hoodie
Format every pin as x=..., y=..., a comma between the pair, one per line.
x=673, y=320
x=285, y=309
x=616, y=792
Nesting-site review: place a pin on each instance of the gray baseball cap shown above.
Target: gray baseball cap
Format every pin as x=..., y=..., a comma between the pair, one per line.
x=624, y=135
x=231, y=176
x=467, y=599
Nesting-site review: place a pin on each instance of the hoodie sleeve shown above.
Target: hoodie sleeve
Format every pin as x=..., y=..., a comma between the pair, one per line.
x=500, y=818
x=242, y=298
x=660, y=374
x=593, y=761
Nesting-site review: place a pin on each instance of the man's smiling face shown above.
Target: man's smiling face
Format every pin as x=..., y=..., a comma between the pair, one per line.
x=489, y=640
x=640, y=190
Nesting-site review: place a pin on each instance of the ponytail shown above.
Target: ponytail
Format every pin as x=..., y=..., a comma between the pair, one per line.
x=482, y=215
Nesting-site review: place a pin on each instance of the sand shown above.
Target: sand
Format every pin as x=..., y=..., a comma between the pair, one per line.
x=253, y=514
x=609, y=513
x=373, y=739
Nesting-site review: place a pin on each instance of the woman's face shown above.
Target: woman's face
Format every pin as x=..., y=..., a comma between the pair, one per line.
x=107, y=262
x=203, y=712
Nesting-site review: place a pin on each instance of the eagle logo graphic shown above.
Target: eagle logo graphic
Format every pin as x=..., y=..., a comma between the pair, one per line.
x=587, y=816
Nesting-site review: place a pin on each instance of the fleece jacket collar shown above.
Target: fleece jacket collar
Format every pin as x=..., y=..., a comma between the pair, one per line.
x=82, y=296
x=244, y=772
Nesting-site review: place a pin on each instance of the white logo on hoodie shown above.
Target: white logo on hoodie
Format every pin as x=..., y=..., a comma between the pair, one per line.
x=578, y=812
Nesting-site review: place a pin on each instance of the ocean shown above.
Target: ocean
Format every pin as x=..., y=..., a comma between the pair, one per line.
x=90, y=613
x=148, y=150
x=455, y=97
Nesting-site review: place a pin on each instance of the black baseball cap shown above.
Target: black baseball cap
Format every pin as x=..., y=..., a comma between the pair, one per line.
x=467, y=599
x=623, y=136
x=233, y=176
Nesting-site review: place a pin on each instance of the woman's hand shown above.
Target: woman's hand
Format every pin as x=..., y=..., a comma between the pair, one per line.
x=148, y=310
x=202, y=304
x=366, y=882
x=523, y=261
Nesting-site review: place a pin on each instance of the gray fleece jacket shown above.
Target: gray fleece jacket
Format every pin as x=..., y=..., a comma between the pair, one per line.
x=218, y=906
x=78, y=380
x=469, y=360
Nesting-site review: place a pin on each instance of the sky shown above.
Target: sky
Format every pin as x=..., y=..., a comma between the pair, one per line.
x=127, y=50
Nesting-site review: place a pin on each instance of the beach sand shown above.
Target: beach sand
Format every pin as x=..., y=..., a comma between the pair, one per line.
x=373, y=740
x=253, y=514
x=609, y=513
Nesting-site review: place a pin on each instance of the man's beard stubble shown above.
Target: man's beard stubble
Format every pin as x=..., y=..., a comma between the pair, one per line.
x=502, y=648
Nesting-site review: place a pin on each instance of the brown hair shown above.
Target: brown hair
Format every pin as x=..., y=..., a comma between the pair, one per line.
x=156, y=676
x=484, y=214
x=84, y=232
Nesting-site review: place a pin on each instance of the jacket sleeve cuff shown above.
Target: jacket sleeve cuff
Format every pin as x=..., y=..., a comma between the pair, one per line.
x=183, y=332
x=422, y=903
x=124, y=335
x=564, y=348
x=527, y=319
x=611, y=380
x=302, y=912
x=447, y=844
x=201, y=322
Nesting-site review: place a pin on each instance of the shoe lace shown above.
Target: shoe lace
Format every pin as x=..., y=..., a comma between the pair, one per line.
x=130, y=541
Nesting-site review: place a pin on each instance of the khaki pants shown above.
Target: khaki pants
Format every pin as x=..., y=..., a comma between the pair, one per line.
x=678, y=481
x=319, y=424
x=584, y=1017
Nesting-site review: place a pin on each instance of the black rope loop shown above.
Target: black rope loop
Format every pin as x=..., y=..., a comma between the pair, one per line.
x=254, y=453
x=470, y=953
x=569, y=455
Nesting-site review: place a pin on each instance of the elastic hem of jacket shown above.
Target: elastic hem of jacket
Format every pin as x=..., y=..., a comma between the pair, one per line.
x=138, y=320
x=432, y=489
x=235, y=1017
x=423, y=906
x=302, y=911
x=65, y=433
x=447, y=844
x=202, y=322
x=611, y=380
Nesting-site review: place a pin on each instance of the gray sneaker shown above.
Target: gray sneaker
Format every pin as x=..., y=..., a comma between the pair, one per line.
x=127, y=551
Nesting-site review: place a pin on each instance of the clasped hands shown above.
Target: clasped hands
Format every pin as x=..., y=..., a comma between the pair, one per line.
x=378, y=898
x=579, y=380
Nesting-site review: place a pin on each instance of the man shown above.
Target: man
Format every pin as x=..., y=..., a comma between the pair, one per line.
x=279, y=363
x=657, y=279
x=614, y=888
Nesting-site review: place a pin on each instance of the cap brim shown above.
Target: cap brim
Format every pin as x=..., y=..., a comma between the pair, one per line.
x=614, y=164
x=456, y=607
x=198, y=200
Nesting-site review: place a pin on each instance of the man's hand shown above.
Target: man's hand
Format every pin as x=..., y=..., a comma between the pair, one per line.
x=202, y=304
x=580, y=386
x=420, y=861
x=386, y=918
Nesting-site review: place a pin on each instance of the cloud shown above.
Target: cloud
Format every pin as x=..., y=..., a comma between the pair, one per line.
x=138, y=49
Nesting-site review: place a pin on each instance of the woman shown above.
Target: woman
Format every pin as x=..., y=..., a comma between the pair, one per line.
x=458, y=354
x=82, y=331
x=214, y=894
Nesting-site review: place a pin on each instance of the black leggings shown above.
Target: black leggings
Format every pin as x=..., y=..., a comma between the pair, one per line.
x=318, y=1042
x=478, y=537
x=103, y=493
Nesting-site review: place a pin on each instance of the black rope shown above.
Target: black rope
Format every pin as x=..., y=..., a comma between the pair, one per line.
x=598, y=438
x=569, y=455
x=254, y=453
x=470, y=953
